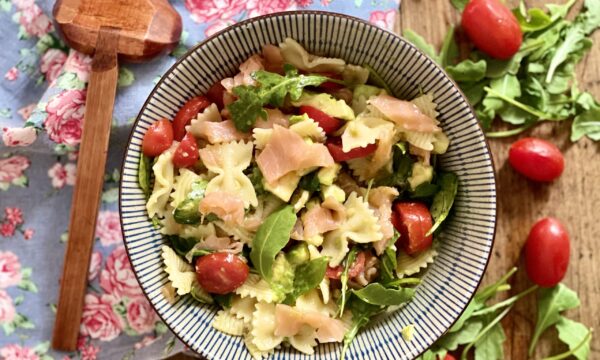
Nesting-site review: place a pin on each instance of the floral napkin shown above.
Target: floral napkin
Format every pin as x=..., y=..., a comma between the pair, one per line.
x=42, y=103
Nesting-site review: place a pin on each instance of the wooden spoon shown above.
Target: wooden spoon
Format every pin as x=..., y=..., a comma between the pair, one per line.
x=134, y=30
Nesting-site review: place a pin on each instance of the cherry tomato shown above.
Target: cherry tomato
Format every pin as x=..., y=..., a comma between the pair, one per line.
x=158, y=138
x=357, y=267
x=536, y=159
x=327, y=123
x=412, y=220
x=335, y=149
x=547, y=252
x=188, y=111
x=186, y=154
x=492, y=27
x=330, y=86
x=221, y=273
x=215, y=94
x=448, y=357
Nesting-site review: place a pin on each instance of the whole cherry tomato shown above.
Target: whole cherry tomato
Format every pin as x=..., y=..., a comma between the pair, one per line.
x=334, y=145
x=357, y=267
x=328, y=123
x=536, y=159
x=188, y=111
x=158, y=138
x=547, y=252
x=492, y=27
x=221, y=273
x=412, y=220
x=186, y=154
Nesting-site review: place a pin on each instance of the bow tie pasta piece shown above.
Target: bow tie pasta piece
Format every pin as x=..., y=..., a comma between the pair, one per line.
x=294, y=54
x=182, y=186
x=263, y=327
x=243, y=308
x=365, y=130
x=410, y=265
x=228, y=323
x=181, y=274
x=164, y=173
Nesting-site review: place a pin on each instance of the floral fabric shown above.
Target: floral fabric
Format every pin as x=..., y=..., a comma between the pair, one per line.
x=42, y=106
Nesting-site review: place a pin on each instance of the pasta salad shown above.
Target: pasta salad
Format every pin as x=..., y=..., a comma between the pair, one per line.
x=299, y=196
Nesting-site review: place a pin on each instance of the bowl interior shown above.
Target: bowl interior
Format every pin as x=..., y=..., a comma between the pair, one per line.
x=467, y=237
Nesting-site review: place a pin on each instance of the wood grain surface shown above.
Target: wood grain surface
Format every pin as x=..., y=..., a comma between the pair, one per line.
x=573, y=198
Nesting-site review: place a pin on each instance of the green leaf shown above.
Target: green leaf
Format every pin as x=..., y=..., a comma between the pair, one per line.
x=535, y=20
x=377, y=294
x=444, y=199
x=42, y=348
x=449, y=52
x=473, y=91
x=5, y=5
x=559, y=11
x=310, y=182
x=425, y=191
x=459, y=4
x=247, y=108
x=573, y=334
x=490, y=346
x=586, y=124
x=199, y=294
x=507, y=86
x=18, y=300
x=498, y=68
x=144, y=170
x=590, y=20
x=421, y=44
x=570, y=44
x=388, y=264
x=126, y=77
x=69, y=81
x=307, y=276
x=271, y=237
x=187, y=211
x=376, y=79
x=362, y=313
x=181, y=245
x=402, y=164
x=467, y=70
x=282, y=277
x=551, y=303
x=467, y=334
x=344, y=278
x=256, y=178
x=223, y=300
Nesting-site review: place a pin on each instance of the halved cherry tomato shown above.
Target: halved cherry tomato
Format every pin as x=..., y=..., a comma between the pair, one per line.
x=215, y=94
x=158, y=138
x=492, y=27
x=334, y=145
x=536, y=159
x=547, y=252
x=188, y=111
x=357, y=267
x=413, y=221
x=448, y=357
x=330, y=86
x=328, y=123
x=221, y=273
x=186, y=154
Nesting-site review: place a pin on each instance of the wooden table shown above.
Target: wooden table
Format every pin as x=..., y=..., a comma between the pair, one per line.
x=574, y=198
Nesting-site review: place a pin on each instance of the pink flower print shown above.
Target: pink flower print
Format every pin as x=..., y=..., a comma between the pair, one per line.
x=12, y=74
x=7, y=229
x=98, y=320
x=26, y=111
x=140, y=315
x=12, y=168
x=65, y=117
x=80, y=64
x=7, y=309
x=89, y=352
x=326, y=2
x=28, y=234
x=262, y=7
x=108, y=228
x=10, y=269
x=17, y=352
x=14, y=215
x=384, y=19
x=34, y=21
x=217, y=26
x=72, y=155
x=62, y=175
x=146, y=341
x=304, y=3
x=18, y=136
x=117, y=278
x=95, y=264
x=203, y=11
x=23, y=4
x=51, y=64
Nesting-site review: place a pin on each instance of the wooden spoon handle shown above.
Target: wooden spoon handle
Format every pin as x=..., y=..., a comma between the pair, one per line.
x=88, y=188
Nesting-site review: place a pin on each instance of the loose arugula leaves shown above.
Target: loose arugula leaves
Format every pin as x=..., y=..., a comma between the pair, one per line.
x=421, y=44
x=271, y=89
x=362, y=313
x=144, y=170
x=576, y=335
x=271, y=237
x=443, y=200
x=307, y=277
x=586, y=124
x=402, y=164
x=377, y=294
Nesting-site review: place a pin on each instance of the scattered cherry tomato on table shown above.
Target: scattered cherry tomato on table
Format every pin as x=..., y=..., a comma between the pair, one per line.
x=536, y=159
x=547, y=252
x=186, y=154
x=492, y=27
x=334, y=145
x=413, y=221
x=158, y=138
x=188, y=111
x=328, y=123
x=221, y=273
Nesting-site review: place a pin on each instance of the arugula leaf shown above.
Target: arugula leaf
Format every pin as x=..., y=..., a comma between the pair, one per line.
x=425, y=191
x=362, y=313
x=256, y=178
x=377, y=294
x=474, y=91
x=573, y=36
x=421, y=44
x=388, y=263
x=310, y=182
x=223, y=300
x=181, y=245
x=307, y=277
x=490, y=345
x=402, y=164
x=449, y=51
x=551, y=303
x=574, y=334
x=271, y=89
x=508, y=86
x=467, y=334
x=534, y=20
x=377, y=80
x=467, y=70
x=459, y=4
x=344, y=277
x=590, y=20
x=444, y=199
x=586, y=124
x=271, y=237
x=187, y=211
x=199, y=294
x=559, y=11
x=144, y=170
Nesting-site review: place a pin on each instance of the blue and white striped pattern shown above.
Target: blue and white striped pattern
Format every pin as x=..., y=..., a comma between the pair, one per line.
x=468, y=236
